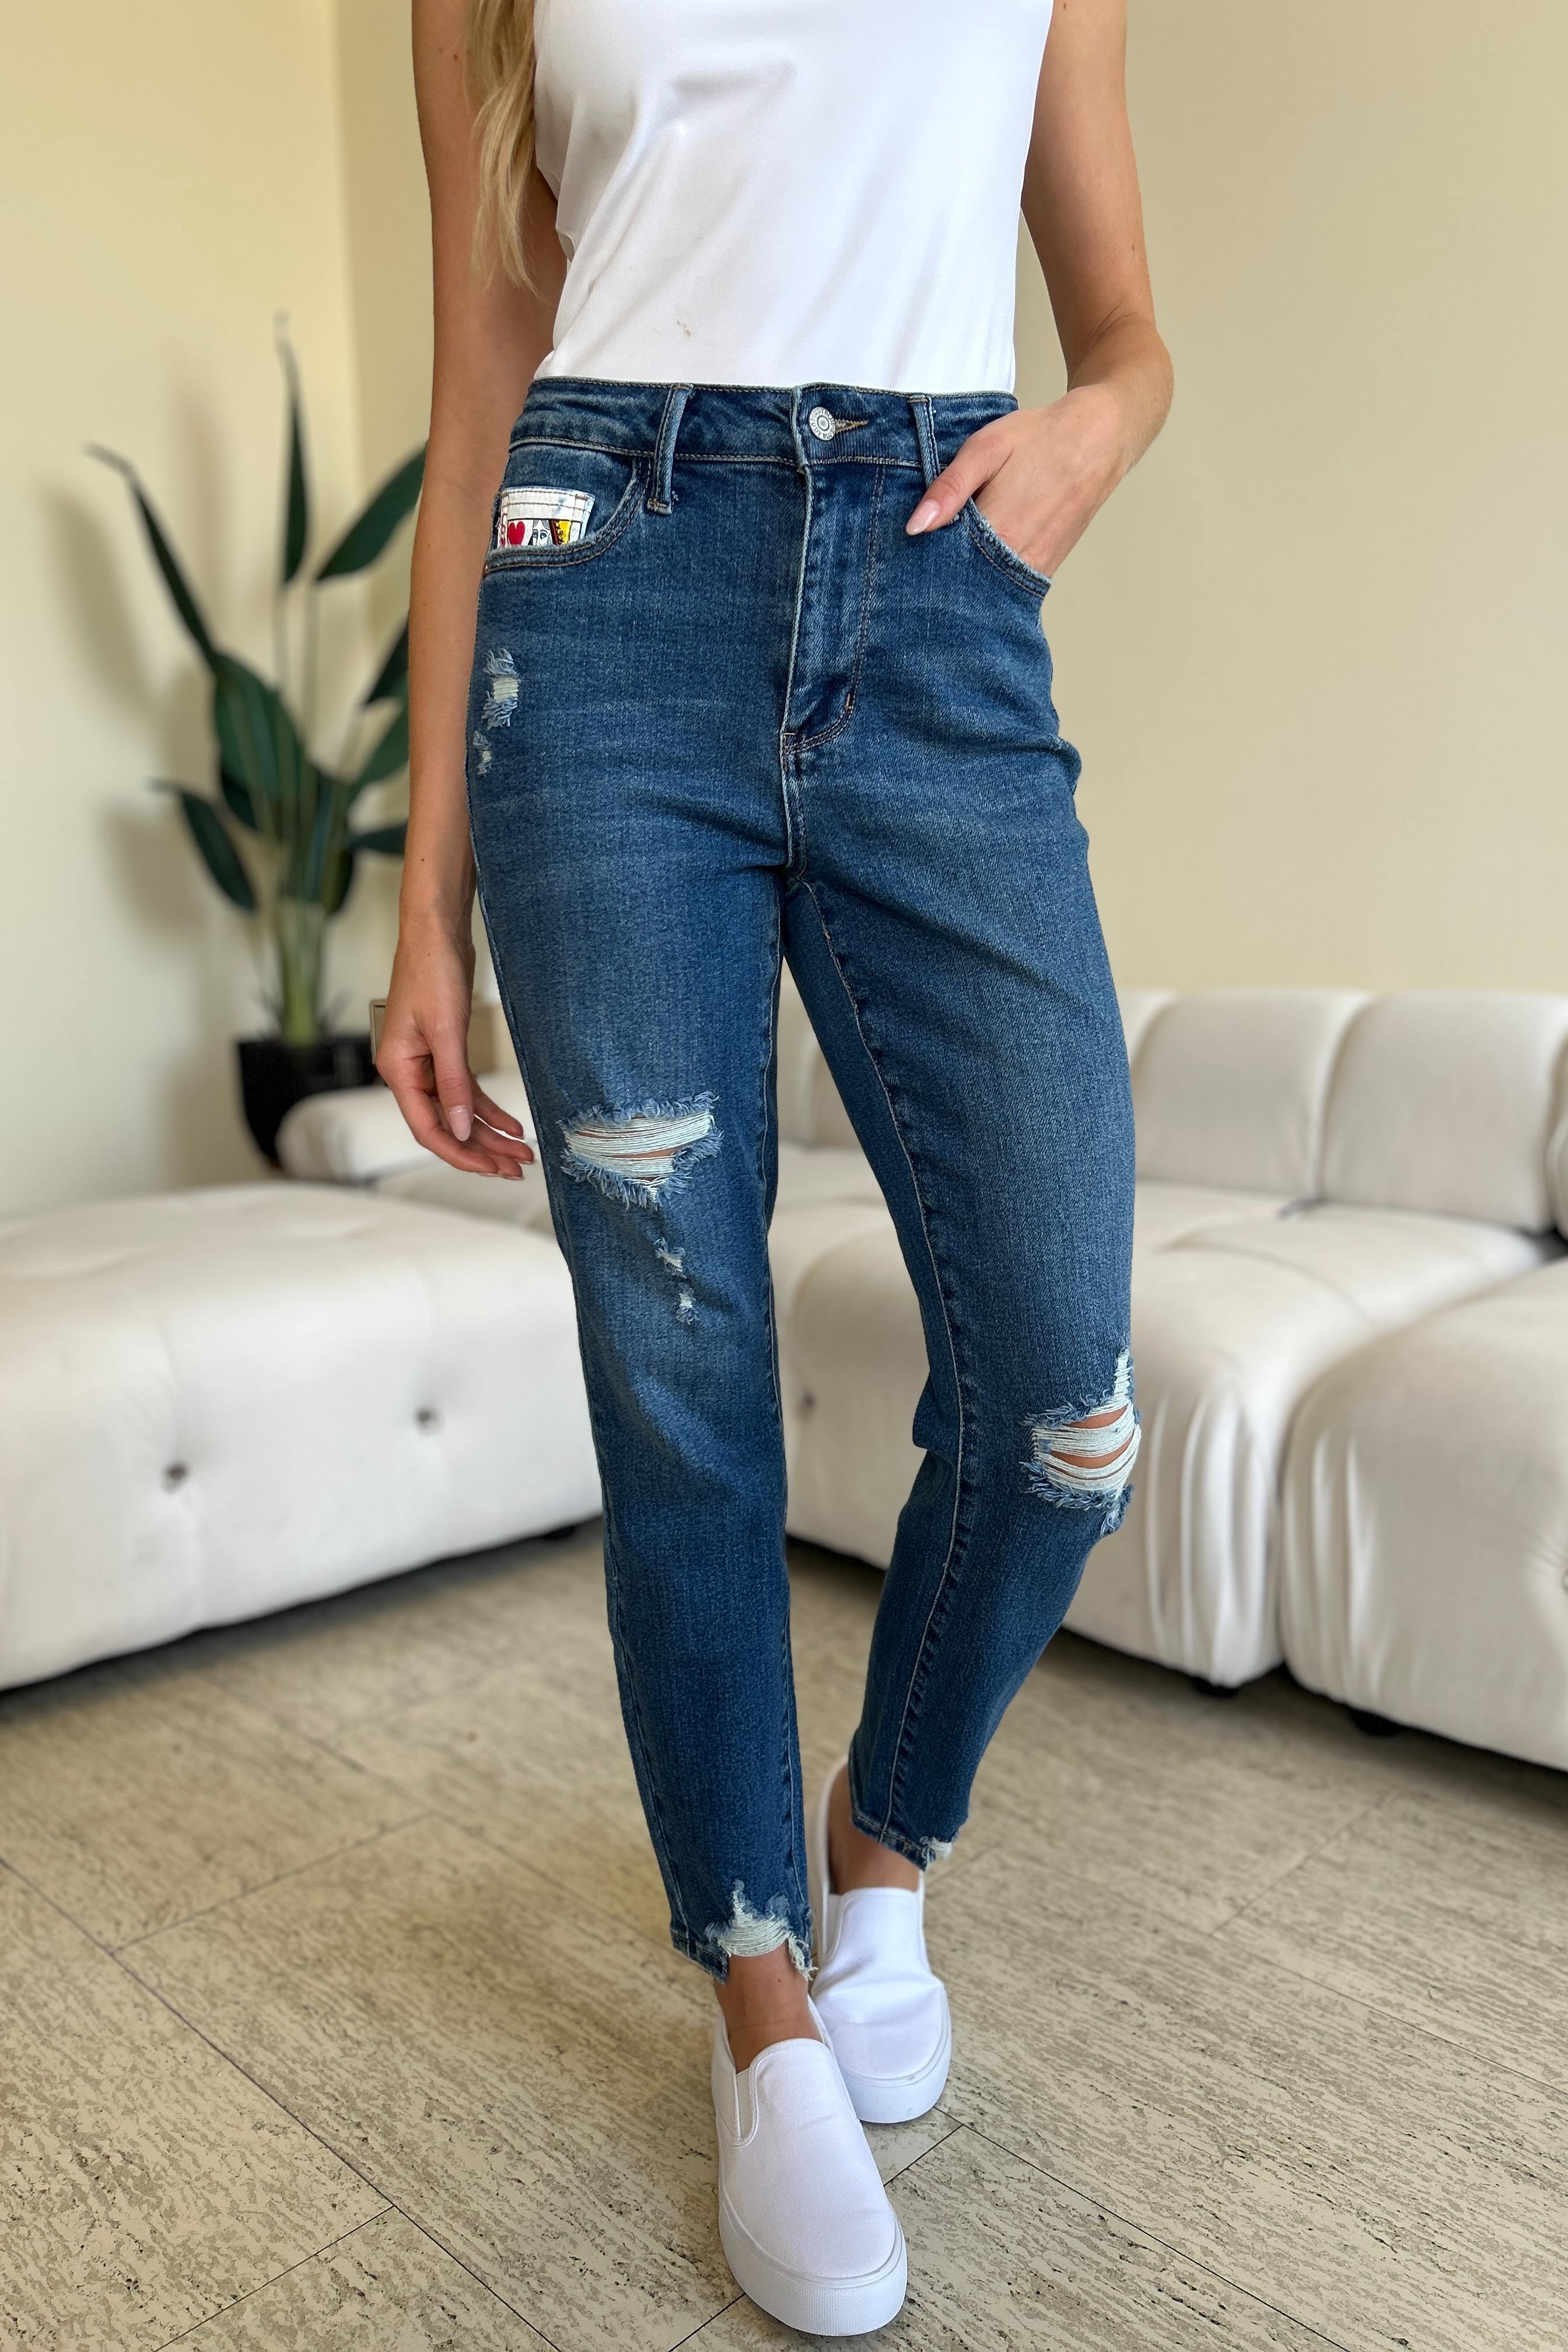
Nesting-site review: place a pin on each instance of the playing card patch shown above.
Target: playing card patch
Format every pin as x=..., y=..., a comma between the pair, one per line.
x=535, y=517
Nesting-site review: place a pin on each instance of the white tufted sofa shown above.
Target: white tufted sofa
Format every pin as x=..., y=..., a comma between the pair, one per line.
x=1349, y=1320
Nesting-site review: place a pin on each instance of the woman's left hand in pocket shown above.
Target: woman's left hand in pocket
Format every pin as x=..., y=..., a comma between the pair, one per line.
x=1039, y=475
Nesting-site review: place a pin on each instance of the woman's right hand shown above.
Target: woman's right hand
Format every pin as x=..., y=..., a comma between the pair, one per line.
x=424, y=1058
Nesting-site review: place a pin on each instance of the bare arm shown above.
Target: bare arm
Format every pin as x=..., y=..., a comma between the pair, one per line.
x=1040, y=476
x=490, y=337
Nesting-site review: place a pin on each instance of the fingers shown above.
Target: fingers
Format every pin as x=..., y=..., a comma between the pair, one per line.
x=410, y=1075
x=454, y=1082
x=497, y=1132
x=976, y=461
x=416, y=1099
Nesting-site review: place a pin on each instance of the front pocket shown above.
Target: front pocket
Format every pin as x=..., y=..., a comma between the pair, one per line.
x=561, y=503
x=995, y=549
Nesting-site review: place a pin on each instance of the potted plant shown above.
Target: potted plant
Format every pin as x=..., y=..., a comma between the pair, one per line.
x=278, y=838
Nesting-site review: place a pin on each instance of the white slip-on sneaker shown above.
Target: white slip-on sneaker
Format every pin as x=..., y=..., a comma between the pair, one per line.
x=804, y=2217
x=884, y=2011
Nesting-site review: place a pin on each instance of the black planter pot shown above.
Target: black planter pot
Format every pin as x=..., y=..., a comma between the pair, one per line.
x=274, y=1075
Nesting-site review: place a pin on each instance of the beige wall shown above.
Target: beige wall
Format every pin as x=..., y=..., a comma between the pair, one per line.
x=1314, y=650
x=171, y=176
x=388, y=222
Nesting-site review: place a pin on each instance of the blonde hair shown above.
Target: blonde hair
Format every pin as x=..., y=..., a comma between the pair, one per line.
x=500, y=80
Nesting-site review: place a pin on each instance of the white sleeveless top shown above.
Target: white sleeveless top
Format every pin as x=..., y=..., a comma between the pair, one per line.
x=788, y=192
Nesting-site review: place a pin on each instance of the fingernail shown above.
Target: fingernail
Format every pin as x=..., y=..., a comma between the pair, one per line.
x=924, y=515
x=461, y=1120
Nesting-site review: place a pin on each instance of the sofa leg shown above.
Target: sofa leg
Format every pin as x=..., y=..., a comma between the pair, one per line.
x=1374, y=1726
x=1212, y=1690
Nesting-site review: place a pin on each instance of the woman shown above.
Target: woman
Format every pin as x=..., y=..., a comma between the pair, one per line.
x=723, y=453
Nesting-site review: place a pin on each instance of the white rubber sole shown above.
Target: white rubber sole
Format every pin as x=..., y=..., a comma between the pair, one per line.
x=876, y=2098
x=816, y=2306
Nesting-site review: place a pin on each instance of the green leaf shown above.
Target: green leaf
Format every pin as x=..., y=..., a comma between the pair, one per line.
x=392, y=677
x=387, y=754
x=387, y=840
x=340, y=880
x=163, y=555
x=369, y=532
x=220, y=855
x=315, y=871
x=257, y=741
x=236, y=796
x=297, y=512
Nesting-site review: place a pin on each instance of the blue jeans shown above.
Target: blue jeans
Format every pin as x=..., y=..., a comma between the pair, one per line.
x=724, y=707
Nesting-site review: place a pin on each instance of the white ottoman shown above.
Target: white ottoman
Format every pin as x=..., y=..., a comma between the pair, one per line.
x=1426, y=1525
x=218, y=1402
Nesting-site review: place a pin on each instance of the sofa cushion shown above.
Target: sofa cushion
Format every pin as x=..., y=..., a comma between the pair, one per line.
x=221, y=1402
x=811, y=1174
x=852, y=1364
x=1426, y=1523
x=810, y=1110
x=1164, y=1215
x=434, y=1185
x=1225, y=1346
x=1229, y=1086
x=1231, y=1328
x=1445, y=1099
x=1390, y=1265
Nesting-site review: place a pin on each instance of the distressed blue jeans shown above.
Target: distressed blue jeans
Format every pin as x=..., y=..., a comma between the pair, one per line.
x=724, y=708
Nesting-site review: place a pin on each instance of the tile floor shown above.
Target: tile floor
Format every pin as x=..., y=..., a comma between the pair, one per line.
x=336, y=2007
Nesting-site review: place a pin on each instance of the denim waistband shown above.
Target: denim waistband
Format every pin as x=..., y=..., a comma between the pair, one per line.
x=813, y=423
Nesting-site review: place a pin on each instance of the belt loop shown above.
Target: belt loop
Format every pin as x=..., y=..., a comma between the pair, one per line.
x=660, y=496
x=925, y=434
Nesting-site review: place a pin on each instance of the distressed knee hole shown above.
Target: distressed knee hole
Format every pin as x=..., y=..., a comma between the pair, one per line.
x=641, y=1155
x=747, y=1933
x=1085, y=1458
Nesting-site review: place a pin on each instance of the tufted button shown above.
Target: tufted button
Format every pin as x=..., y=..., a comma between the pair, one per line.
x=823, y=422
x=175, y=1475
x=427, y=1417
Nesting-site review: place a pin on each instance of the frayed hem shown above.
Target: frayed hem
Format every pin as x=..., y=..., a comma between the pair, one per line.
x=921, y=1852
x=747, y=1934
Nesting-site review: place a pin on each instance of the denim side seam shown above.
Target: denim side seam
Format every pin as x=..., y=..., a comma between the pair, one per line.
x=921, y=1852
x=766, y=1124
x=959, y=1530
x=794, y=1797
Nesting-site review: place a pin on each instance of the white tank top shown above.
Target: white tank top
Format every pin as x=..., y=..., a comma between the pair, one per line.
x=788, y=192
